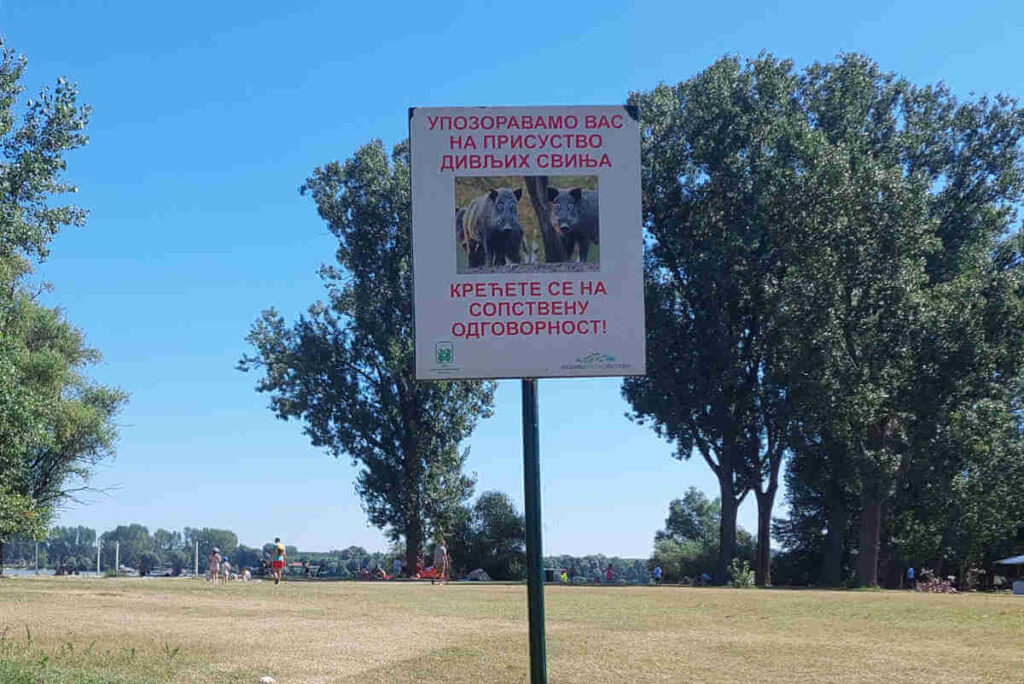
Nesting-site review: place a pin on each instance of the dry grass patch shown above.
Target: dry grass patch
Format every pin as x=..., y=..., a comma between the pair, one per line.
x=314, y=633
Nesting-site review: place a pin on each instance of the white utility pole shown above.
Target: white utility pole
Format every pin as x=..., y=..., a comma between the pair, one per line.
x=97, y=557
x=195, y=574
x=117, y=558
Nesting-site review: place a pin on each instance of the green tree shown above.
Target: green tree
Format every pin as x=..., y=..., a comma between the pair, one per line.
x=208, y=538
x=246, y=557
x=693, y=518
x=722, y=176
x=166, y=542
x=688, y=546
x=19, y=518
x=492, y=537
x=833, y=265
x=966, y=516
x=134, y=541
x=346, y=367
x=148, y=562
x=178, y=559
x=818, y=536
x=170, y=548
x=33, y=161
x=55, y=425
x=64, y=544
x=907, y=300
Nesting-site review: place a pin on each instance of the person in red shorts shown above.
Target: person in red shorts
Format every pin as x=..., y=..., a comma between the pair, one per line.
x=277, y=565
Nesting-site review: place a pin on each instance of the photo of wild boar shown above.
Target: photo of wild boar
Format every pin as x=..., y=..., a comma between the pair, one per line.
x=576, y=219
x=523, y=224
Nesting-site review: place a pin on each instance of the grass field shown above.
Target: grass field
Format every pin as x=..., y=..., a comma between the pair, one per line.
x=92, y=631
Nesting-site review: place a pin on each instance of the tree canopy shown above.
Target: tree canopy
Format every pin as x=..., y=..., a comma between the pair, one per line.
x=833, y=273
x=55, y=424
x=491, y=535
x=345, y=368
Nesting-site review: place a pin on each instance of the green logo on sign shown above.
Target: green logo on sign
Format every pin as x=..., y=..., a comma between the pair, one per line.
x=444, y=352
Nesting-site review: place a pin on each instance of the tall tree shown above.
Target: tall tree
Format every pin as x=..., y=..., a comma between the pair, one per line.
x=346, y=367
x=836, y=255
x=907, y=299
x=722, y=179
x=819, y=533
x=55, y=424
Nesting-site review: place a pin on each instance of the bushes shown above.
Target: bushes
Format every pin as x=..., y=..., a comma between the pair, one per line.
x=741, y=573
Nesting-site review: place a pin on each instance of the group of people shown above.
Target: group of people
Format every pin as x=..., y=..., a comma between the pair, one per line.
x=569, y=576
x=927, y=581
x=220, y=566
x=438, y=573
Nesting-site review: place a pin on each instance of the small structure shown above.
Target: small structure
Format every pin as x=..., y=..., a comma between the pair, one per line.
x=478, y=575
x=1018, y=563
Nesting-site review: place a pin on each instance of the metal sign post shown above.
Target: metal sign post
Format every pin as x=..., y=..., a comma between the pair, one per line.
x=534, y=548
x=531, y=305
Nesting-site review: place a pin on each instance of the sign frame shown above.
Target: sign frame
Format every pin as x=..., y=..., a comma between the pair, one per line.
x=532, y=316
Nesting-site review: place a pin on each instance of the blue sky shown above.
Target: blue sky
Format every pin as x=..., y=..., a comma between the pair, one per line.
x=208, y=116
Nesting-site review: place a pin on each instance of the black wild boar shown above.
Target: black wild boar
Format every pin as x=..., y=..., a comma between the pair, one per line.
x=575, y=213
x=494, y=220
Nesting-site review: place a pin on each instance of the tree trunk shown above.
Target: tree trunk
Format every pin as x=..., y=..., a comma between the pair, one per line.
x=726, y=532
x=870, y=531
x=1, y=558
x=413, y=545
x=765, y=503
x=832, y=559
x=537, y=187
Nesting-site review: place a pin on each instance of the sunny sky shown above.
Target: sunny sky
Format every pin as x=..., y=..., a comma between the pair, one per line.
x=208, y=116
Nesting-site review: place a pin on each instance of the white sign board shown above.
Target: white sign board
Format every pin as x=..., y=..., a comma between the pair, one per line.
x=527, y=242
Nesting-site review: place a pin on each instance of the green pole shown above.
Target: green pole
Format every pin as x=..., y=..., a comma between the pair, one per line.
x=534, y=550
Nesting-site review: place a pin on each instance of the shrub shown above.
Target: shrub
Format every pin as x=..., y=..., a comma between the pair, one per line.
x=741, y=573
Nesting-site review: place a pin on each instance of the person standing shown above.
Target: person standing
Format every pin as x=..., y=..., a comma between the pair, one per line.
x=213, y=564
x=441, y=561
x=609, y=574
x=910, y=578
x=277, y=565
x=396, y=568
x=657, y=574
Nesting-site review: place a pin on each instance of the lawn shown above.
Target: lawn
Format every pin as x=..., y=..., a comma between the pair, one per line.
x=77, y=630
